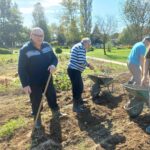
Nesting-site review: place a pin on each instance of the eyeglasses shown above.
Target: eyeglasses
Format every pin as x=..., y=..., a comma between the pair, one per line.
x=38, y=35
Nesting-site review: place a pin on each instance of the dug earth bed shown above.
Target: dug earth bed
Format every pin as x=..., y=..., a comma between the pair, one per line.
x=103, y=126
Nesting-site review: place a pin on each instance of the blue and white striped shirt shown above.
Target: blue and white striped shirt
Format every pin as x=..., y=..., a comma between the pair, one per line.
x=78, y=57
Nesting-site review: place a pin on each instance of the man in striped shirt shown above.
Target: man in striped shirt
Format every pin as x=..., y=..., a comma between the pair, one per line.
x=76, y=66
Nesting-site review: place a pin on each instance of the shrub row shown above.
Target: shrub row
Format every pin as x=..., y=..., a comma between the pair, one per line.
x=5, y=51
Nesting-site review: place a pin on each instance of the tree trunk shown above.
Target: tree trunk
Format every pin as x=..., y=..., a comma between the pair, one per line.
x=104, y=48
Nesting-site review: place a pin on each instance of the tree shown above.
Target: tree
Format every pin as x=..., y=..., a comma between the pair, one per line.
x=96, y=35
x=10, y=23
x=136, y=15
x=85, y=17
x=23, y=36
x=70, y=11
x=61, y=35
x=69, y=19
x=107, y=26
x=53, y=28
x=74, y=35
x=126, y=37
x=40, y=20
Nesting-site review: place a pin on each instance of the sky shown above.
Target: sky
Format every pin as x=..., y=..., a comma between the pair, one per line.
x=52, y=8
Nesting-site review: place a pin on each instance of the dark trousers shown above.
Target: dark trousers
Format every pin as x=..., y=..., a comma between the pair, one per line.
x=36, y=97
x=77, y=84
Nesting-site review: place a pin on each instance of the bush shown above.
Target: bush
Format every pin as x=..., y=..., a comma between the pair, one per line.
x=65, y=47
x=124, y=47
x=62, y=82
x=5, y=51
x=54, y=43
x=109, y=46
x=58, y=50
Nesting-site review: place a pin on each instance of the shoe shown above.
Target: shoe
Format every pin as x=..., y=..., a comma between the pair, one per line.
x=31, y=113
x=57, y=113
x=148, y=130
x=78, y=108
x=82, y=102
x=130, y=82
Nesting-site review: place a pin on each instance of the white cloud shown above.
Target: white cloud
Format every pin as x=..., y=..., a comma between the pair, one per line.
x=26, y=10
x=51, y=9
x=49, y=3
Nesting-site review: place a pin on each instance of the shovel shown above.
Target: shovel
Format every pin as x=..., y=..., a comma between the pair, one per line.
x=40, y=106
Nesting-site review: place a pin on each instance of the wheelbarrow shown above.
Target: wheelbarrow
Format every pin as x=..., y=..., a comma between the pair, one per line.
x=100, y=81
x=139, y=96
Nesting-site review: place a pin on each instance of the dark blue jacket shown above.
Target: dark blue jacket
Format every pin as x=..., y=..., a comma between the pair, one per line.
x=33, y=64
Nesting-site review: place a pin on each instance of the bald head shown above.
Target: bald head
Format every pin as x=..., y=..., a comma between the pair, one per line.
x=37, y=36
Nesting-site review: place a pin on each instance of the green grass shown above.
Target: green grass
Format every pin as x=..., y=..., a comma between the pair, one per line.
x=11, y=85
x=104, y=69
x=9, y=128
x=99, y=67
x=8, y=58
x=116, y=54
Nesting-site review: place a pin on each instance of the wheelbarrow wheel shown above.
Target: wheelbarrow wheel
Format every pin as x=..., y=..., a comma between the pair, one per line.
x=95, y=90
x=134, y=107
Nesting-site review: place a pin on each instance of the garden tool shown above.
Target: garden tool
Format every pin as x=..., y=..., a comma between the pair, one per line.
x=40, y=106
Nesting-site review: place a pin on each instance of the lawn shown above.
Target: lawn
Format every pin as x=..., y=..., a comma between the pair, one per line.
x=116, y=54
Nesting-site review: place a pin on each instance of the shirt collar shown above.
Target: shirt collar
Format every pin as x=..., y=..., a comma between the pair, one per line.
x=32, y=45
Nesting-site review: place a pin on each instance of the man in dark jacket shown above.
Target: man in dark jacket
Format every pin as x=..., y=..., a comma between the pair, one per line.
x=36, y=62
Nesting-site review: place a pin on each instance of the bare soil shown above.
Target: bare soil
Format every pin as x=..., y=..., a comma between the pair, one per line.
x=103, y=126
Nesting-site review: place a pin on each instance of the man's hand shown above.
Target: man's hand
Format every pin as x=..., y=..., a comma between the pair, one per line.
x=52, y=69
x=27, y=89
x=91, y=67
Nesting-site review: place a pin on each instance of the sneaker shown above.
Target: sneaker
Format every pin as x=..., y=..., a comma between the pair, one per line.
x=148, y=130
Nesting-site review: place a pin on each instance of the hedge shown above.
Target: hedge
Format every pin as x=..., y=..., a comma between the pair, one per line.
x=5, y=51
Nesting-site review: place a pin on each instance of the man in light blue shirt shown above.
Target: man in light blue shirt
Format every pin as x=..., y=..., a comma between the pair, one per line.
x=136, y=60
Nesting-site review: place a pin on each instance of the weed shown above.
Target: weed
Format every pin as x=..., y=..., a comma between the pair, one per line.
x=9, y=128
x=62, y=81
